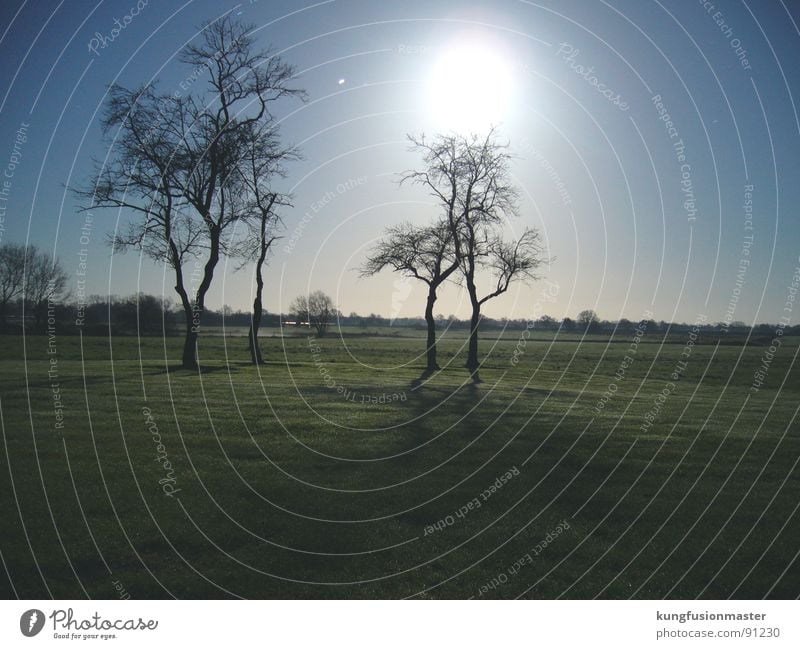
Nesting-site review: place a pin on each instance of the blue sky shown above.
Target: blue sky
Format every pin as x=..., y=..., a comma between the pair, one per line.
x=600, y=174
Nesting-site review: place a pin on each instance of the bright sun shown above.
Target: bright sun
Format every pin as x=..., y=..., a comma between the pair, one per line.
x=469, y=88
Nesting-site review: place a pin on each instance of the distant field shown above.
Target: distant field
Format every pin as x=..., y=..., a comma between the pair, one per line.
x=330, y=473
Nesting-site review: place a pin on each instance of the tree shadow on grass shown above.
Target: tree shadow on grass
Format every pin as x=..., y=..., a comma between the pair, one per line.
x=422, y=379
x=427, y=375
x=436, y=409
x=202, y=369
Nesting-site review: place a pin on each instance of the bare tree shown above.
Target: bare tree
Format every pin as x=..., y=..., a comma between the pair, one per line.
x=588, y=320
x=424, y=253
x=510, y=260
x=12, y=277
x=505, y=262
x=263, y=163
x=45, y=281
x=317, y=309
x=176, y=159
x=470, y=179
x=143, y=177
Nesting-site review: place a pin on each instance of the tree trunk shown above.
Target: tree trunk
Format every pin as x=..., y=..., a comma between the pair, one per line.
x=472, y=353
x=190, y=360
x=255, y=321
x=432, y=366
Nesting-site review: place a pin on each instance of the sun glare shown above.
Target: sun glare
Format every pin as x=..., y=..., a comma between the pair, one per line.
x=469, y=88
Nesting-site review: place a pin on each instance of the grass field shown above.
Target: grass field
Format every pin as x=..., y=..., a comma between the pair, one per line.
x=330, y=473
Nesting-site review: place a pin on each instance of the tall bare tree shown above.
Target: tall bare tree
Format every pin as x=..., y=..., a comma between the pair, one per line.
x=424, y=253
x=142, y=176
x=263, y=163
x=469, y=177
x=175, y=159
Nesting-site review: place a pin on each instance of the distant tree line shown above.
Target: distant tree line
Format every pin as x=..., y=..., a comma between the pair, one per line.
x=148, y=315
x=32, y=284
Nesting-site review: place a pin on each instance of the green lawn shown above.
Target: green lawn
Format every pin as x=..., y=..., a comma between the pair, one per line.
x=330, y=473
